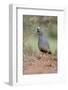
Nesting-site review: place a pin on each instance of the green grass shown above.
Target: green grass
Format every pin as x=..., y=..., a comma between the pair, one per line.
x=31, y=46
x=53, y=45
x=48, y=24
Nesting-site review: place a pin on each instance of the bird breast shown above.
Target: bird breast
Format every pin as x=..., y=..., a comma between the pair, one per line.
x=43, y=43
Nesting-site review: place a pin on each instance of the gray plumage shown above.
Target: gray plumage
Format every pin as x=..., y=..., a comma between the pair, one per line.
x=43, y=42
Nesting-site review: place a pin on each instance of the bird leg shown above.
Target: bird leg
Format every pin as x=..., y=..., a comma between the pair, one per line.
x=40, y=55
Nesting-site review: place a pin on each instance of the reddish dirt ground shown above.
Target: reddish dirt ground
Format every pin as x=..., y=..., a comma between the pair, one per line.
x=40, y=65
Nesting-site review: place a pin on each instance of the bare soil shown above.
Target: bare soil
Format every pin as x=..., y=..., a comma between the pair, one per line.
x=40, y=65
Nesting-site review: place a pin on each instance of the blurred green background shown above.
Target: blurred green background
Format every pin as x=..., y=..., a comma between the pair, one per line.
x=48, y=25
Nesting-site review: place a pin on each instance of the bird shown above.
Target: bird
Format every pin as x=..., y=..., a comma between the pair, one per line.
x=43, y=43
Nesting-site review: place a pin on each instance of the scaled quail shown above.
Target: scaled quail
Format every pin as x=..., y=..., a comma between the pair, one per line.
x=43, y=42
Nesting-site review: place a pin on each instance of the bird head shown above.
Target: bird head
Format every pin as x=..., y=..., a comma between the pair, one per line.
x=39, y=31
